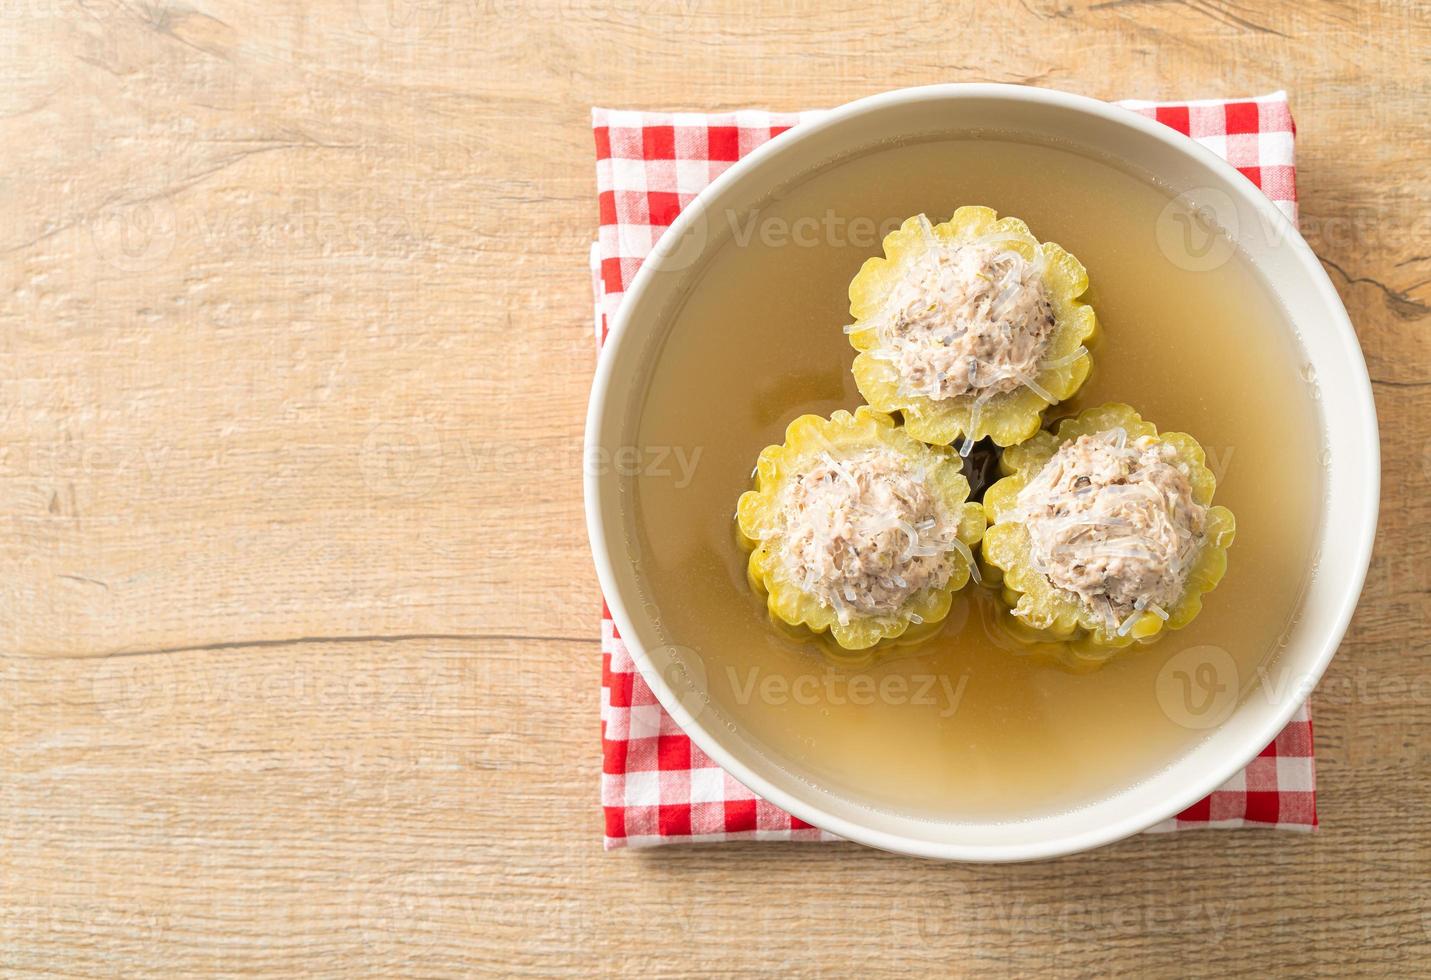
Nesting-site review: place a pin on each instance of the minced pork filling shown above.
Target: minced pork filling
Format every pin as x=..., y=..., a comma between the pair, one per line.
x=862, y=533
x=966, y=318
x=1114, y=522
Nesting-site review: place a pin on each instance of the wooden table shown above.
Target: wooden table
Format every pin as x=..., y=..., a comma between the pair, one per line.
x=298, y=659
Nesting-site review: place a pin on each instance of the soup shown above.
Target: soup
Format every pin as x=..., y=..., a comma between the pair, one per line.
x=968, y=724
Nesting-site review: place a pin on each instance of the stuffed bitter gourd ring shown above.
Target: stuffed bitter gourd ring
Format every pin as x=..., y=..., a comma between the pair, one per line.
x=857, y=529
x=1104, y=532
x=970, y=328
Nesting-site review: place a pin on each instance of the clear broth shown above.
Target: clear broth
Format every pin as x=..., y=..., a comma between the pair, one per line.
x=964, y=726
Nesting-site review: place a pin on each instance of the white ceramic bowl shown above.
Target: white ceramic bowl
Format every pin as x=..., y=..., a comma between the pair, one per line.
x=1286, y=263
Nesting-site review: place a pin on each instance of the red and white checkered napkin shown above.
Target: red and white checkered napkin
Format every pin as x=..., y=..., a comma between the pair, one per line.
x=658, y=787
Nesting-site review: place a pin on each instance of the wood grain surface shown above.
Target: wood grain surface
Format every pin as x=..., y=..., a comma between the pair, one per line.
x=298, y=660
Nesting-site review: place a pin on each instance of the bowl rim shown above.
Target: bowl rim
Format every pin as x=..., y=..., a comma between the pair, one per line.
x=1139, y=819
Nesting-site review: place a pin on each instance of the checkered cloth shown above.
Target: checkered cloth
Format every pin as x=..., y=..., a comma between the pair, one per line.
x=657, y=786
